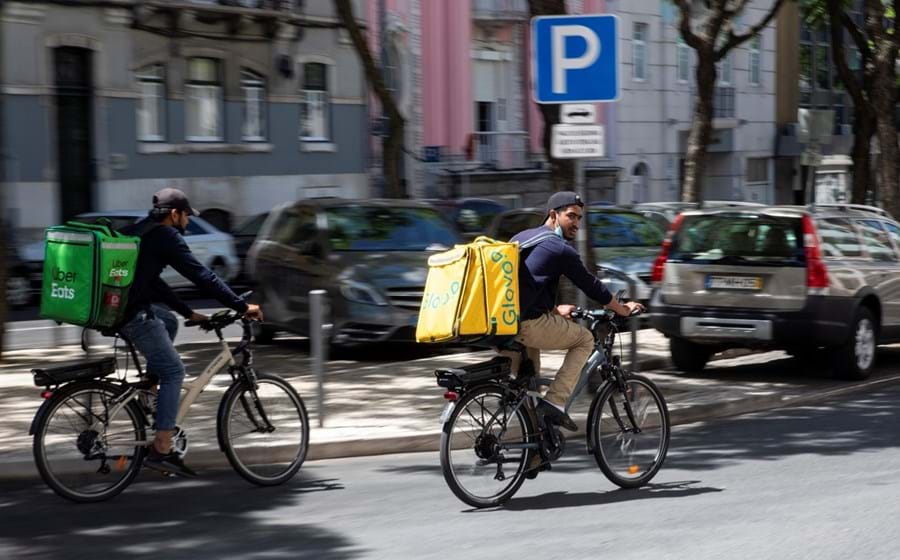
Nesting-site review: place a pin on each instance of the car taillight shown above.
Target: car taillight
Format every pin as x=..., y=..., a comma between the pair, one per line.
x=660, y=263
x=816, y=271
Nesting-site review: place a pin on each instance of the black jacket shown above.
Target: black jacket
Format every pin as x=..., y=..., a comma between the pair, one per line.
x=540, y=269
x=163, y=246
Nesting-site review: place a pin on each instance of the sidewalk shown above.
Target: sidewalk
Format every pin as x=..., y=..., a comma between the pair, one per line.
x=375, y=407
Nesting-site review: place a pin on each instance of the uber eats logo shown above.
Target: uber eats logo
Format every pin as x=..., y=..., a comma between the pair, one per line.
x=118, y=270
x=508, y=316
x=62, y=292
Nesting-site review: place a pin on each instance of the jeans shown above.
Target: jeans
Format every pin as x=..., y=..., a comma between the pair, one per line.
x=152, y=332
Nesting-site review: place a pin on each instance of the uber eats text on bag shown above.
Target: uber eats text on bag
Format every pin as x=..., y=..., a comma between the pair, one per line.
x=472, y=291
x=88, y=269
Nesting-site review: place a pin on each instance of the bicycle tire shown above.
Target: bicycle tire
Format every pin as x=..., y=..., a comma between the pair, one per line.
x=646, y=467
x=55, y=477
x=447, y=443
x=234, y=402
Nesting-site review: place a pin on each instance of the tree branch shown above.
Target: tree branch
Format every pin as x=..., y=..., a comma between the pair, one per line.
x=861, y=43
x=734, y=40
x=839, y=53
x=684, y=24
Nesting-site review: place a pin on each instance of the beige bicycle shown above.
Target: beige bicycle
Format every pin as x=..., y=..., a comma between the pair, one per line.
x=92, y=431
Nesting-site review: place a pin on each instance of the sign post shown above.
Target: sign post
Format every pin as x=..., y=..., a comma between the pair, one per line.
x=575, y=62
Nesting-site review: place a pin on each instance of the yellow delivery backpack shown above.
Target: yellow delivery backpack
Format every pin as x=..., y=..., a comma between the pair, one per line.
x=472, y=291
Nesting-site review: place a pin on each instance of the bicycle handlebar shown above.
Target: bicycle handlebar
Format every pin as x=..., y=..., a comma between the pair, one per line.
x=220, y=319
x=600, y=314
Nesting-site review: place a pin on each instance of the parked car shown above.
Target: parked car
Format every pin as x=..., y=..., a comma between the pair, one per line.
x=664, y=212
x=244, y=236
x=806, y=280
x=370, y=256
x=622, y=239
x=471, y=216
x=212, y=247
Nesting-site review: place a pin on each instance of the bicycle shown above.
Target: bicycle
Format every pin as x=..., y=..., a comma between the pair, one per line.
x=489, y=423
x=91, y=432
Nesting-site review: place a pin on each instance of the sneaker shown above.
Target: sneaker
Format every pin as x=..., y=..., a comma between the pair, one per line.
x=556, y=416
x=168, y=462
x=536, y=466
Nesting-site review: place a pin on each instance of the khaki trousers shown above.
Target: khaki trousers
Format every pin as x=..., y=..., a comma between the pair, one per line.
x=551, y=331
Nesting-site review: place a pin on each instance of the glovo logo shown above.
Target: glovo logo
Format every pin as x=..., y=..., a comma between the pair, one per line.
x=509, y=316
x=435, y=301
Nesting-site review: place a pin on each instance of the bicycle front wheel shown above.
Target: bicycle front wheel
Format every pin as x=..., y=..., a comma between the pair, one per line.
x=630, y=431
x=484, y=452
x=264, y=431
x=88, y=447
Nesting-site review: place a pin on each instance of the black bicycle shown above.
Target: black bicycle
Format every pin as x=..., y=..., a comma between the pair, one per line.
x=493, y=439
x=92, y=432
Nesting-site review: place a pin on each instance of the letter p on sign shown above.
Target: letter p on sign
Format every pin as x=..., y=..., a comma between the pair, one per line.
x=574, y=59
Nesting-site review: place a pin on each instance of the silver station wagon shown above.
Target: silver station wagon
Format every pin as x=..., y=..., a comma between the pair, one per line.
x=801, y=279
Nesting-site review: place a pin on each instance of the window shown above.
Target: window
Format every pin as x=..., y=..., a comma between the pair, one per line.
x=254, y=89
x=684, y=61
x=624, y=229
x=838, y=239
x=295, y=227
x=757, y=170
x=203, y=99
x=151, y=106
x=876, y=240
x=371, y=228
x=725, y=70
x=639, y=52
x=758, y=240
x=823, y=74
x=755, y=65
x=193, y=228
x=314, y=102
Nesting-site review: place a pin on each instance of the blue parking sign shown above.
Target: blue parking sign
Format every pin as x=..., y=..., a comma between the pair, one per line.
x=575, y=59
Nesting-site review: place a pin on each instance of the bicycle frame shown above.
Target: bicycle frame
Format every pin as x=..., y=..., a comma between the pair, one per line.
x=194, y=388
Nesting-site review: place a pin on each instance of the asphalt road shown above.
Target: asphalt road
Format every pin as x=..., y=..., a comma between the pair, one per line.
x=809, y=482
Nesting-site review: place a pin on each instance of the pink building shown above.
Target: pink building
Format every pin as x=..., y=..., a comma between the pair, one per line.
x=461, y=73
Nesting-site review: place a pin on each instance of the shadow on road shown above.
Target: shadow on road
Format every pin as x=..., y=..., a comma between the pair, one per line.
x=555, y=500
x=212, y=517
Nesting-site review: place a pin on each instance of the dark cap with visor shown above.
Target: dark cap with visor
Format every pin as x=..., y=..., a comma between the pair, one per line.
x=562, y=199
x=170, y=198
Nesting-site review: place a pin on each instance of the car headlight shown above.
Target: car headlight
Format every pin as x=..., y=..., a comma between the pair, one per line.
x=362, y=293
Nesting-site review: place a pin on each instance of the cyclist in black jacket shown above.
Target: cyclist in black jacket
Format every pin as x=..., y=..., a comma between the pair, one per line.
x=152, y=327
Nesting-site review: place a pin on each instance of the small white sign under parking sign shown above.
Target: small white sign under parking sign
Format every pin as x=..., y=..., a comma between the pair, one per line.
x=581, y=113
x=577, y=141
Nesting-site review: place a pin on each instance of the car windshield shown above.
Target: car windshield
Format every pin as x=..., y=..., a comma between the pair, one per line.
x=369, y=228
x=624, y=229
x=739, y=239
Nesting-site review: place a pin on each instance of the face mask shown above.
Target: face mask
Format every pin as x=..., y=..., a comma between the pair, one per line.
x=558, y=231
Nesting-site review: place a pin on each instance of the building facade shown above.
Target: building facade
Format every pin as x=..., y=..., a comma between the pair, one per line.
x=243, y=105
x=651, y=122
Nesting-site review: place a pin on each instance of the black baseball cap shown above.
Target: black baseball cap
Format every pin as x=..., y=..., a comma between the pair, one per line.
x=174, y=199
x=563, y=199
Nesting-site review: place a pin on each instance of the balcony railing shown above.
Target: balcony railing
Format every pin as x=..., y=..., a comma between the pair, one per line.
x=501, y=150
x=271, y=5
x=509, y=10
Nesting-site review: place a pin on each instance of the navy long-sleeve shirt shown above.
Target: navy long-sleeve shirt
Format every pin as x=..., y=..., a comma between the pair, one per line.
x=541, y=268
x=163, y=246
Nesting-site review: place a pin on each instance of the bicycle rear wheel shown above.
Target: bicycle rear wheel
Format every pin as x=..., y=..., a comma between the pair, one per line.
x=475, y=459
x=264, y=431
x=630, y=447
x=85, y=449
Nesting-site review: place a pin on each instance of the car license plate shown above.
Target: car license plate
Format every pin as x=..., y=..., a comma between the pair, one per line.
x=733, y=282
x=448, y=410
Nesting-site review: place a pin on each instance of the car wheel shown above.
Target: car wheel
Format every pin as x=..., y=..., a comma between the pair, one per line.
x=263, y=334
x=854, y=360
x=688, y=356
x=219, y=267
x=18, y=290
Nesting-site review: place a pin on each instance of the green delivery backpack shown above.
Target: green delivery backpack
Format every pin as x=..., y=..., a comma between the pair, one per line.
x=88, y=269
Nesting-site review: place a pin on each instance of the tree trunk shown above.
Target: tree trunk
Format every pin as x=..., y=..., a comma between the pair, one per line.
x=701, y=128
x=885, y=100
x=863, y=130
x=392, y=145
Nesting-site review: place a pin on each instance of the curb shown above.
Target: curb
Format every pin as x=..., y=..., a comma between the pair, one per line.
x=212, y=458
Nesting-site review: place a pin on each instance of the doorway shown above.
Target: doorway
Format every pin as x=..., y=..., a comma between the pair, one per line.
x=74, y=130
